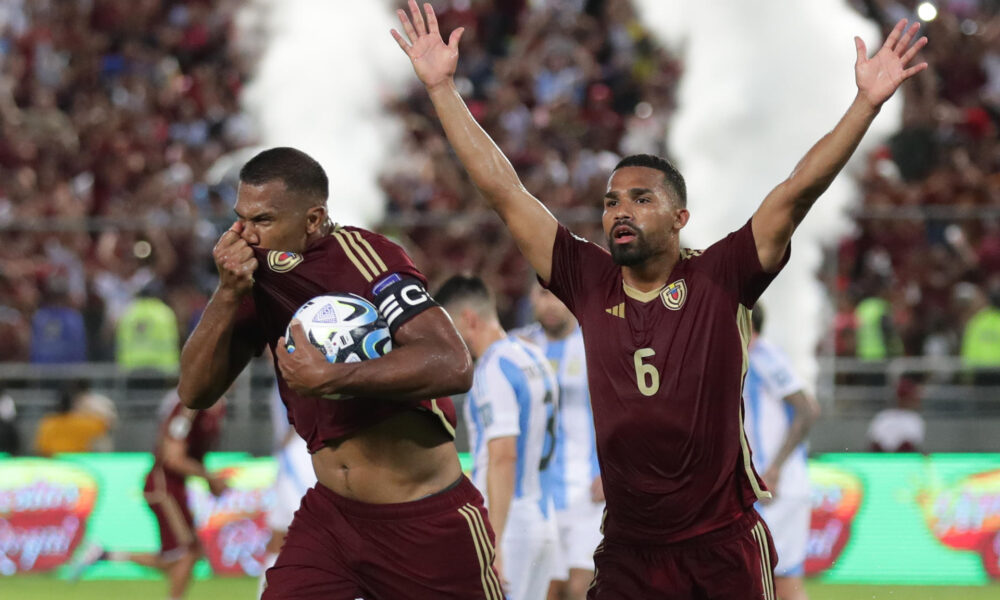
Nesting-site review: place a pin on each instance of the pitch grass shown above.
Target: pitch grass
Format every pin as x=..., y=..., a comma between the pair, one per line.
x=42, y=587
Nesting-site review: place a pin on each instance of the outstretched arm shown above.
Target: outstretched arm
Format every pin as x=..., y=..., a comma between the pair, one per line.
x=531, y=224
x=877, y=79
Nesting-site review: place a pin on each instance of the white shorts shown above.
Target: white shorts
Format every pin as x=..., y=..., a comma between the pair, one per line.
x=295, y=476
x=579, y=530
x=528, y=551
x=788, y=519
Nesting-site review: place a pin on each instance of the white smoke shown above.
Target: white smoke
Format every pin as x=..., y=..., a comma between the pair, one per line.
x=320, y=84
x=762, y=82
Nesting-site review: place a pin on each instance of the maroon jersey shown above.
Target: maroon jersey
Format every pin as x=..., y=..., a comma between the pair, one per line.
x=199, y=429
x=666, y=370
x=349, y=260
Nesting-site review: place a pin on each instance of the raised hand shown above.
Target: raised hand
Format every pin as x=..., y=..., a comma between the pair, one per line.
x=879, y=76
x=433, y=60
x=235, y=261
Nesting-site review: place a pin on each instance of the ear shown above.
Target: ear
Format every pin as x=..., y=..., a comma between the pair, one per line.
x=315, y=217
x=682, y=219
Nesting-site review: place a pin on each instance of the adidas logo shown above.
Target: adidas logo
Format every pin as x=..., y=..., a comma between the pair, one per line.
x=618, y=311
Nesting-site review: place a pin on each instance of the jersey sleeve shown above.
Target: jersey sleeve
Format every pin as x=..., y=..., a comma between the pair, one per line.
x=781, y=378
x=496, y=403
x=575, y=266
x=393, y=283
x=179, y=423
x=737, y=260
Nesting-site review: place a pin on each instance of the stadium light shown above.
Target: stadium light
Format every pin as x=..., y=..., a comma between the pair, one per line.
x=927, y=11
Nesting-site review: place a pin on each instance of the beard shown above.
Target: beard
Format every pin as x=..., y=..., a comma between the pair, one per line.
x=631, y=254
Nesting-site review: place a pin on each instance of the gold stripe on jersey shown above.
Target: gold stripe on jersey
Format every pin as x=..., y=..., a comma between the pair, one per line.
x=641, y=296
x=743, y=323
x=491, y=585
x=444, y=419
x=371, y=252
x=341, y=238
x=617, y=310
x=766, y=576
x=350, y=235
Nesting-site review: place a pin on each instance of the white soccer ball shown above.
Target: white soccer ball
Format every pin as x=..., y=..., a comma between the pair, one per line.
x=345, y=327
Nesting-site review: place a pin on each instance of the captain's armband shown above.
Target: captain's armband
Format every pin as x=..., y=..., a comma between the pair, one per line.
x=399, y=298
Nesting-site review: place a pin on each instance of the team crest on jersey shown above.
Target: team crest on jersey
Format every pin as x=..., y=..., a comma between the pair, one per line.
x=673, y=295
x=282, y=262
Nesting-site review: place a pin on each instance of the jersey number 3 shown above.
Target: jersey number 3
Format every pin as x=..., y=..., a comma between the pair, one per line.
x=646, y=376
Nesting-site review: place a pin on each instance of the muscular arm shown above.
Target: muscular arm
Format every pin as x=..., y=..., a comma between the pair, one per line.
x=500, y=473
x=787, y=204
x=214, y=354
x=806, y=413
x=531, y=224
x=428, y=360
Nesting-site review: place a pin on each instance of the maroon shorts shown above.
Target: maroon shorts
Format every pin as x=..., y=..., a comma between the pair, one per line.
x=434, y=548
x=736, y=561
x=167, y=498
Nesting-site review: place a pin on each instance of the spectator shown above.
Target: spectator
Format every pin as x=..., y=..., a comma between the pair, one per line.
x=901, y=428
x=981, y=342
x=57, y=331
x=75, y=426
x=147, y=334
x=10, y=438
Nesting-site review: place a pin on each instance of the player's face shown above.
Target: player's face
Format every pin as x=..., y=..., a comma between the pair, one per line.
x=275, y=219
x=550, y=311
x=641, y=218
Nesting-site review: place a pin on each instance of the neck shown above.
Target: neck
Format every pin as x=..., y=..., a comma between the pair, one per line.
x=560, y=332
x=653, y=273
x=489, y=335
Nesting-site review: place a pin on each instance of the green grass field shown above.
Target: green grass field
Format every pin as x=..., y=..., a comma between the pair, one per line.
x=39, y=587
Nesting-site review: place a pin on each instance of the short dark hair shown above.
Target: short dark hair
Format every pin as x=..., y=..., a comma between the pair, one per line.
x=674, y=178
x=297, y=170
x=757, y=318
x=459, y=288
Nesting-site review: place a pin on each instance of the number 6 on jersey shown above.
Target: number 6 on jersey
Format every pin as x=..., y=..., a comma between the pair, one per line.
x=646, y=376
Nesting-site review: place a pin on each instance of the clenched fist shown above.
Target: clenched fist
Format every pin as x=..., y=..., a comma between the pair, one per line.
x=235, y=261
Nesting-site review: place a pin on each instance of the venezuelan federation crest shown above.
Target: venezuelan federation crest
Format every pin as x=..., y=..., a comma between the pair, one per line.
x=282, y=262
x=673, y=295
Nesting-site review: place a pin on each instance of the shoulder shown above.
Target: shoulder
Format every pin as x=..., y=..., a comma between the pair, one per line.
x=529, y=332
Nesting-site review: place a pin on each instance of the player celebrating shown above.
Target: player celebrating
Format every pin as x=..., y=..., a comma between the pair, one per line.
x=392, y=516
x=508, y=413
x=779, y=414
x=665, y=332
x=572, y=479
x=185, y=436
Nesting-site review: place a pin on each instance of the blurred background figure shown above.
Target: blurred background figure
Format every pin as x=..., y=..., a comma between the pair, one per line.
x=295, y=476
x=981, y=341
x=10, y=437
x=82, y=422
x=779, y=413
x=572, y=477
x=147, y=334
x=184, y=438
x=901, y=427
x=58, y=334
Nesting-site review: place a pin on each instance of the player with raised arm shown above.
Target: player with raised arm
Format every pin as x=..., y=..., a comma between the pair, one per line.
x=666, y=332
x=573, y=477
x=391, y=516
x=779, y=414
x=508, y=414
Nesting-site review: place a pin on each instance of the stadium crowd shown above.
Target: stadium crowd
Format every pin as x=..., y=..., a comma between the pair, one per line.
x=113, y=111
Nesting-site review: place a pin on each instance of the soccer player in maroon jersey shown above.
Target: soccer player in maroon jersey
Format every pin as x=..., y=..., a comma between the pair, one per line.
x=184, y=438
x=665, y=332
x=392, y=516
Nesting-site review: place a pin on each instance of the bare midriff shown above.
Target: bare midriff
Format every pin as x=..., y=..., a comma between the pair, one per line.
x=404, y=458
